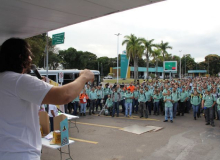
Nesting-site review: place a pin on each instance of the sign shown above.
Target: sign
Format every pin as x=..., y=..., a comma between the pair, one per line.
x=170, y=66
x=64, y=129
x=58, y=38
x=61, y=77
x=124, y=66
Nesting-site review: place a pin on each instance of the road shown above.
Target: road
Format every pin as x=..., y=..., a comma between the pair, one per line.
x=100, y=138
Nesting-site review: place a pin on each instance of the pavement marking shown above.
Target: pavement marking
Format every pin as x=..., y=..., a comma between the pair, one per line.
x=98, y=125
x=82, y=140
x=134, y=117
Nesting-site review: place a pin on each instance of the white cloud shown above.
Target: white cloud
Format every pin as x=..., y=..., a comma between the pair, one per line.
x=188, y=25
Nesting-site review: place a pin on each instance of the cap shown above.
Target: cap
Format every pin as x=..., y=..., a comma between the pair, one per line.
x=208, y=90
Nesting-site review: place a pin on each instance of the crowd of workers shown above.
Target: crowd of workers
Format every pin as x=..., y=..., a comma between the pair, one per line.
x=170, y=98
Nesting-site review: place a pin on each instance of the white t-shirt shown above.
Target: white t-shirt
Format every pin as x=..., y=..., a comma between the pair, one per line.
x=20, y=98
x=52, y=108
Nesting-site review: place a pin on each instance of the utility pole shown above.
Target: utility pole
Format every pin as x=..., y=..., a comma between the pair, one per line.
x=185, y=64
x=180, y=63
x=117, y=52
x=47, y=54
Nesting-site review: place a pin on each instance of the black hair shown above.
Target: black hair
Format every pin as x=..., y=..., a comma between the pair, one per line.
x=14, y=55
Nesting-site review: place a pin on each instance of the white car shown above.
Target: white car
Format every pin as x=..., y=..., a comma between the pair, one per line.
x=108, y=77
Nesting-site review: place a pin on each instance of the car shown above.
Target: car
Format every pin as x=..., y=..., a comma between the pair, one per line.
x=108, y=77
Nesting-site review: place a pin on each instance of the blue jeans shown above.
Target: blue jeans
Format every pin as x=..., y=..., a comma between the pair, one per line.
x=83, y=107
x=195, y=110
x=175, y=104
x=75, y=106
x=156, y=108
x=170, y=111
x=135, y=103
x=115, y=106
x=128, y=105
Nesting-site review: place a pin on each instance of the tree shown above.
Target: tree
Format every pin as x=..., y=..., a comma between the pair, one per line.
x=188, y=63
x=134, y=51
x=164, y=46
x=213, y=64
x=155, y=54
x=148, y=44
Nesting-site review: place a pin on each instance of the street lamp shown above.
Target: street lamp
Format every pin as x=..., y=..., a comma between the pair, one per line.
x=117, y=52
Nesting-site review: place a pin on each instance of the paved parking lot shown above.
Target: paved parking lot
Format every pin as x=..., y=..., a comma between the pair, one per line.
x=100, y=138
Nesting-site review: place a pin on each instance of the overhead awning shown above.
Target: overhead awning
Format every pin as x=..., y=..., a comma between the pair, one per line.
x=26, y=18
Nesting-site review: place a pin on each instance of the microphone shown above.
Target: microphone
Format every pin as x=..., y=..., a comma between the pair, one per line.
x=34, y=69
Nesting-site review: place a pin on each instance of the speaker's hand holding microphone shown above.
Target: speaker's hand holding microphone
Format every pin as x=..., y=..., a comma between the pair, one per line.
x=87, y=75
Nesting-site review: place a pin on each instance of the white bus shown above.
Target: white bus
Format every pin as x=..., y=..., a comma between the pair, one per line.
x=68, y=75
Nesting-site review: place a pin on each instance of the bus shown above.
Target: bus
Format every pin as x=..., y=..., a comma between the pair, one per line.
x=69, y=75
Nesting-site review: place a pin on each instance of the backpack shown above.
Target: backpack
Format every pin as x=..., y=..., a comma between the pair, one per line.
x=212, y=98
x=195, y=96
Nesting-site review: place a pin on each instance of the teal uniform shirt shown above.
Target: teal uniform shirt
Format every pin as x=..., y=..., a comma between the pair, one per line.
x=136, y=93
x=164, y=91
x=142, y=97
x=218, y=104
x=122, y=94
x=183, y=96
x=88, y=91
x=209, y=100
x=107, y=91
x=161, y=95
x=76, y=99
x=175, y=96
x=148, y=95
x=100, y=94
x=92, y=95
x=168, y=103
x=156, y=97
x=116, y=96
x=195, y=100
x=128, y=97
x=109, y=102
x=189, y=94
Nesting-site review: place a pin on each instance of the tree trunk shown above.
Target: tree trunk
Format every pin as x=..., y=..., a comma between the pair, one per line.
x=157, y=68
x=135, y=69
x=147, y=57
x=163, y=68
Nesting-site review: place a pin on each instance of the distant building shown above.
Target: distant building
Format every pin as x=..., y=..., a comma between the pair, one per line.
x=196, y=73
x=142, y=72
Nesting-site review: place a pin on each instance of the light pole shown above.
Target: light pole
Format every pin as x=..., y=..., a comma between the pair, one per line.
x=117, y=52
x=185, y=64
x=180, y=63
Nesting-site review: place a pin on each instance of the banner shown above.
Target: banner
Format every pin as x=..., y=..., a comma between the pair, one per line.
x=124, y=66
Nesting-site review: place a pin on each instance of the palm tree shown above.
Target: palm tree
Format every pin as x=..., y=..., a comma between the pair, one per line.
x=148, y=51
x=134, y=51
x=155, y=54
x=164, y=47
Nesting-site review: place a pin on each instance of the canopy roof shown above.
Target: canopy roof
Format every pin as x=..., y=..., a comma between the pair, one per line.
x=26, y=18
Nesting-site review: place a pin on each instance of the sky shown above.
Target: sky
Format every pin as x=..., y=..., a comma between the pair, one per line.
x=190, y=26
